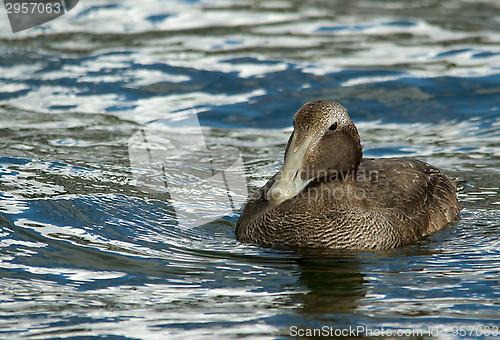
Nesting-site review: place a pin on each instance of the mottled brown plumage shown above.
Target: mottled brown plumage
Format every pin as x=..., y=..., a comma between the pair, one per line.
x=325, y=196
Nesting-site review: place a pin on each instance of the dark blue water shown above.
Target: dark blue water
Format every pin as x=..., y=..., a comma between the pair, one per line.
x=85, y=251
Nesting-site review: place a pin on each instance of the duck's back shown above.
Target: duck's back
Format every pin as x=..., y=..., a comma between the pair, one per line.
x=392, y=202
x=425, y=198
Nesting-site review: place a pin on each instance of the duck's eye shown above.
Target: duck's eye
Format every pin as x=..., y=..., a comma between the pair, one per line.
x=333, y=127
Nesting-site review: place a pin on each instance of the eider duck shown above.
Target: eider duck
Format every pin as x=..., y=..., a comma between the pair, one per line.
x=326, y=196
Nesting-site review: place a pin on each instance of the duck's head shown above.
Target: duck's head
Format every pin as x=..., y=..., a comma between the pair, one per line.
x=324, y=144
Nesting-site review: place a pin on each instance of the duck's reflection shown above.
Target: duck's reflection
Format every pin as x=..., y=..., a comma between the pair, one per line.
x=334, y=281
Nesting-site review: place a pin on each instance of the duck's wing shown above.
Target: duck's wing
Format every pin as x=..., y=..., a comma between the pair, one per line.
x=255, y=206
x=416, y=190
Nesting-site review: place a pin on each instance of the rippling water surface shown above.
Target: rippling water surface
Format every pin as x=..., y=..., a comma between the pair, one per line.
x=84, y=252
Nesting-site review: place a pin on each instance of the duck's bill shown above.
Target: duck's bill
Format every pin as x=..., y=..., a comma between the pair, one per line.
x=288, y=181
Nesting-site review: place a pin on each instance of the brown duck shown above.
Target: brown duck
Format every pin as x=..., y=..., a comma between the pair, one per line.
x=326, y=196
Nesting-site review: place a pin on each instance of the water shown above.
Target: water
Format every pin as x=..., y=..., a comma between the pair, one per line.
x=84, y=252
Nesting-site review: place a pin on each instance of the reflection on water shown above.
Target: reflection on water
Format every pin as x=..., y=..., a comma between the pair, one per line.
x=84, y=252
x=335, y=286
